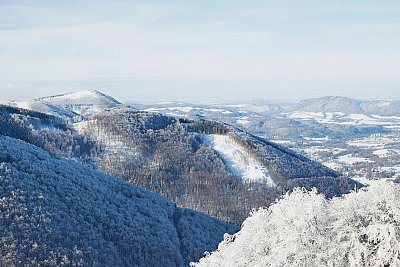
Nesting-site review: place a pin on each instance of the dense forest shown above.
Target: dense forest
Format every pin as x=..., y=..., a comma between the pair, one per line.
x=169, y=156
x=56, y=212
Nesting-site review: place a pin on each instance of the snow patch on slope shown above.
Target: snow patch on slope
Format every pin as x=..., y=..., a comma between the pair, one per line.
x=240, y=162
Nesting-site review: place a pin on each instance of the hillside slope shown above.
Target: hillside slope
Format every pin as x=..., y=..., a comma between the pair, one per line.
x=55, y=212
x=176, y=159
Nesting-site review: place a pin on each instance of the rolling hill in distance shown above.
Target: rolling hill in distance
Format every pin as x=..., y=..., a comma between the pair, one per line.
x=357, y=138
x=349, y=106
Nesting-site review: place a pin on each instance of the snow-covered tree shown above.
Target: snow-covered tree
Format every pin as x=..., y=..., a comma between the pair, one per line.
x=304, y=229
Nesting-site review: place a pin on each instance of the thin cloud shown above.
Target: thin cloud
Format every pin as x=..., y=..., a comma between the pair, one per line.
x=219, y=41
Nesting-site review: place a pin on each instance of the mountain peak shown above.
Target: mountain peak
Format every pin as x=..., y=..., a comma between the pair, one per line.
x=84, y=103
x=87, y=96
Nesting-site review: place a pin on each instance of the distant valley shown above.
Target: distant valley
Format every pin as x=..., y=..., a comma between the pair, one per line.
x=358, y=138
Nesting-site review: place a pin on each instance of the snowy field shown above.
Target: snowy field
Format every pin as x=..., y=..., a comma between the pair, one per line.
x=350, y=159
x=345, y=119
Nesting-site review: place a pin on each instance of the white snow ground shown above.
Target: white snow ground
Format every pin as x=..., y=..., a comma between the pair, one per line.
x=345, y=119
x=240, y=162
x=349, y=159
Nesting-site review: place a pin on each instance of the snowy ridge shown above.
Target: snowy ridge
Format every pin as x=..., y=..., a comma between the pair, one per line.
x=40, y=106
x=240, y=162
x=84, y=103
x=91, y=97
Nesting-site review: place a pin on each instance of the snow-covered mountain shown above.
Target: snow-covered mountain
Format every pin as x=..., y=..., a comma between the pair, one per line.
x=83, y=103
x=304, y=229
x=178, y=157
x=206, y=165
x=348, y=106
x=55, y=212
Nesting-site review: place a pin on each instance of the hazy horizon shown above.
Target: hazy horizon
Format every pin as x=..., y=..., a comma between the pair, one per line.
x=199, y=52
x=144, y=99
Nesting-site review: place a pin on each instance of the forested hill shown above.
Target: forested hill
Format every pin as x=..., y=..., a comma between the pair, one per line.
x=205, y=165
x=55, y=212
x=200, y=164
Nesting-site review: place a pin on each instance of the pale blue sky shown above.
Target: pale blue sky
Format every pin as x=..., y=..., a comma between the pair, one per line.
x=200, y=50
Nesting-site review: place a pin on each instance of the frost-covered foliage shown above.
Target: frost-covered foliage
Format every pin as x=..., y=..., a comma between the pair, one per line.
x=48, y=132
x=54, y=212
x=305, y=229
x=170, y=156
x=300, y=166
x=160, y=154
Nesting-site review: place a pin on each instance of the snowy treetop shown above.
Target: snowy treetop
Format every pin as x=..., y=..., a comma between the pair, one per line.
x=304, y=229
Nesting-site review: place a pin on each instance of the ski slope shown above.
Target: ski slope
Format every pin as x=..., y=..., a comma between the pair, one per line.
x=239, y=161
